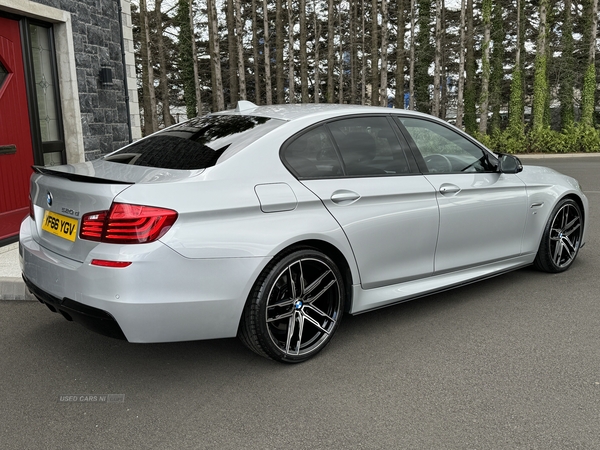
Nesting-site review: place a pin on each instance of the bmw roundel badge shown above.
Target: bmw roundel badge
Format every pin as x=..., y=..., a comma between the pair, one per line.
x=49, y=198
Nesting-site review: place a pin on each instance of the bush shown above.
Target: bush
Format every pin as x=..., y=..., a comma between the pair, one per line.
x=574, y=138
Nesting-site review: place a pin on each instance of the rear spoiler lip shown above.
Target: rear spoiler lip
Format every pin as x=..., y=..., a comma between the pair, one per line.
x=77, y=177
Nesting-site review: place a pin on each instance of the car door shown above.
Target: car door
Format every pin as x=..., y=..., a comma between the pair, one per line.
x=368, y=181
x=482, y=211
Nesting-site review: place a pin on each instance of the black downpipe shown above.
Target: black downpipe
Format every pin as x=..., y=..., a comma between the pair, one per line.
x=120, y=11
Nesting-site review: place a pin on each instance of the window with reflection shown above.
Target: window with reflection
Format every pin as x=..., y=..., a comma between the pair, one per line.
x=444, y=150
x=197, y=143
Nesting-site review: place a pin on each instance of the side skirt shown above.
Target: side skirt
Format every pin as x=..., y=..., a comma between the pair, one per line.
x=369, y=299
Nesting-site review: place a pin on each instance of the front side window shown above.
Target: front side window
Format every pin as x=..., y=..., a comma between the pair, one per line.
x=444, y=150
x=196, y=144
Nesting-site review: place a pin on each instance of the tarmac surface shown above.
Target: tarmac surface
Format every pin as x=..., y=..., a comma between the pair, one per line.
x=507, y=363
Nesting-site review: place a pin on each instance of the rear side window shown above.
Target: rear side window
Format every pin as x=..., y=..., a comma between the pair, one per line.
x=352, y=147
x=196, y=144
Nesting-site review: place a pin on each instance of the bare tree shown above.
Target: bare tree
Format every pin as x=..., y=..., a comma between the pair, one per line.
x=162, y=60
x=303, y=57
x=363, y=73
x=195, y=61
x=341, y=56
x=267, y=37
x=330, y=50
x=241, y=68
x=279, y=51
x=291, y=66
x=384, y=54
x=400, y=55
x=353, y=50
x=232, y=53
x=411, y=87
x=374, y=55
x=316, y=46
x=215, y=57
x=257, y=90
x=149, y=96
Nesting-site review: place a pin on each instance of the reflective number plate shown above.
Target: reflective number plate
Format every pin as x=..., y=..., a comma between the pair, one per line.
x=60, y=225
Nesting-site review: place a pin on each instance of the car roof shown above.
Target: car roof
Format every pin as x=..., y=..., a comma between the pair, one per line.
x=297, y=111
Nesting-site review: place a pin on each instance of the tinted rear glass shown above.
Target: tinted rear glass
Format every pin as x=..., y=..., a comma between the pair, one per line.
x=195, y=144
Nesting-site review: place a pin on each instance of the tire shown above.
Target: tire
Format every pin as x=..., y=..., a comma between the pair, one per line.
x=295, y=307
x=562, y=238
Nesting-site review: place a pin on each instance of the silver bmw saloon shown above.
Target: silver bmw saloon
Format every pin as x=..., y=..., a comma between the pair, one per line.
x=270, y=223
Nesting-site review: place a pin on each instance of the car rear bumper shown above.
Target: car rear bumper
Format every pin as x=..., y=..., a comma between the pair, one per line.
x=161, y=297
x=93, y=318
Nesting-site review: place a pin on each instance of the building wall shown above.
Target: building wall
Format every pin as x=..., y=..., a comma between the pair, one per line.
x=88, y=38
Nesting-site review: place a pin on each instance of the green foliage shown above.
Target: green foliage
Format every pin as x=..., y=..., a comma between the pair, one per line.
x=515, y=112
x=574, y=138
x=587, y=96
x=540, y=92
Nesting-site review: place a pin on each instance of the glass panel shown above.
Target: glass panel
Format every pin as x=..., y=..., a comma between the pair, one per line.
x=44, y=82
x=312, y=155
x=3, y=74
x=196, y=144
x=369, y=146
x=444, y=150
x=52, y=159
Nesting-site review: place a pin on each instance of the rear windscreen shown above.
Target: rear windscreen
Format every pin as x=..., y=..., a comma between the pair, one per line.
x=195, y=144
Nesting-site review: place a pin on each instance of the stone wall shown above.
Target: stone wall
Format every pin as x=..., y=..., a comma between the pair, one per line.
x=97, y=44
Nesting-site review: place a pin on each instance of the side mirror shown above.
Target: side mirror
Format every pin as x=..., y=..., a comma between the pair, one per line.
x=509, y=163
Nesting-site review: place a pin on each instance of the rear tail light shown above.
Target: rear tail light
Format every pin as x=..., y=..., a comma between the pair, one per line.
x=127, y=224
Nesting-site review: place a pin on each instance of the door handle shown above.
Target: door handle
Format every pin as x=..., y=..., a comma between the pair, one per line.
x=449, y=189
x=344, y=197
x=10, y=149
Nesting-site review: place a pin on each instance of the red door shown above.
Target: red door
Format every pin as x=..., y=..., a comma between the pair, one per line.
x=16, y=153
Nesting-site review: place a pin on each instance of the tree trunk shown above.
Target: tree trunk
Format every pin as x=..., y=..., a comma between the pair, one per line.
x=257, y=90
x=164, y=83
x=341, y=57
x=195, y=62
x=215, y=57
x=374, y=55
x=149, y=100
x=279, y=42
x=515, y=108
x=303, y=56
x=400, y=56
x=437, y=65
x=363, y=76
x=317, y=62
x=383, y=98
x=470, y=115
x=485, y=66
x=411, y=75
x=266, y=48
x=540, y=85
x=589, y=83
x=461, y=66
x=291, y=65
x=353, y=51
x=330, y=51
x=233, y=54
x=567, y=62
x=241, y=66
